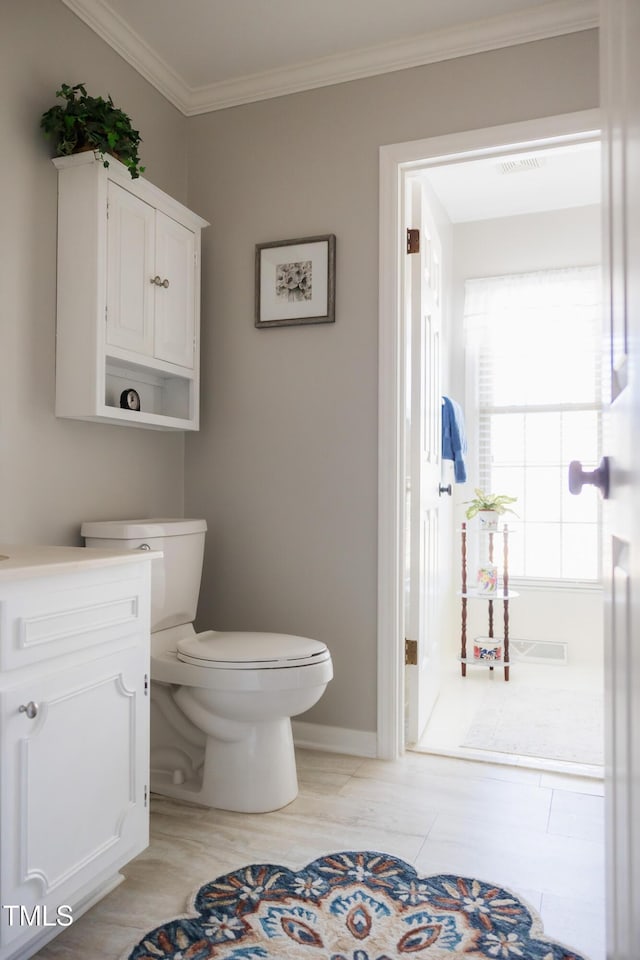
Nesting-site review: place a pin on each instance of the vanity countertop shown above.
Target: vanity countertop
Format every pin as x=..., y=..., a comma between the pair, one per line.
x=24, y=560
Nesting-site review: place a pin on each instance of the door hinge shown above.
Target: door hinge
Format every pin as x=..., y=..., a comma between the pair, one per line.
x=146, y=795
x=413, y=240
x=410, y=652
x=146, y=684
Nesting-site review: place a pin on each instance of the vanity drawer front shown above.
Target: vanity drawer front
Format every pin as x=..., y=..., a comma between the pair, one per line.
x=53, y=616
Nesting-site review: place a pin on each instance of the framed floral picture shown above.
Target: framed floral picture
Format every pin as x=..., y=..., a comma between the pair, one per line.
x=296, y=281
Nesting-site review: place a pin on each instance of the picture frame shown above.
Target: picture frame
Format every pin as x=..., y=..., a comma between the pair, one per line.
x=295, y=281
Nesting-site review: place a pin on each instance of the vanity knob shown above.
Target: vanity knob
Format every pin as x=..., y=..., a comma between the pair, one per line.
x=144, y=546
x=156, y=280
x=31, y=709
x=165, y=283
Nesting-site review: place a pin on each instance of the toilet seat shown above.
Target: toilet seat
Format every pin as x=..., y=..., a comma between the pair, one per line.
x=239, y=650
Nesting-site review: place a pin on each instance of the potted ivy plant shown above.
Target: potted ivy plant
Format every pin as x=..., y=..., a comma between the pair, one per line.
x=82, y=123
x=488, y=507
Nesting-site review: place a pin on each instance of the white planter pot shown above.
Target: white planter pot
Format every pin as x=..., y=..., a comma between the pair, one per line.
x=488, y=519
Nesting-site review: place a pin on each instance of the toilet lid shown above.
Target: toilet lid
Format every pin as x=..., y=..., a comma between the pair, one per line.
x=250, y=651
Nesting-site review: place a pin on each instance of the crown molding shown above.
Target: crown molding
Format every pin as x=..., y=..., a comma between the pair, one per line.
x=539, y=23
x=118, y=34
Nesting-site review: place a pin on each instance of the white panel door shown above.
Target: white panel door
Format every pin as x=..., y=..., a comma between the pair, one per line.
x=75, y=770
x=620, y=78
x=175, y=308
x=130, y=271
x=423, y=312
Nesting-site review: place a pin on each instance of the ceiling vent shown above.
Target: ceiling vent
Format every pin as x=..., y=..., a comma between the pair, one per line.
x=520, y=166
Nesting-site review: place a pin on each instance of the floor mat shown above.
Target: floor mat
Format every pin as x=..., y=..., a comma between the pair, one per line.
x=353, y=905
x=537, y=722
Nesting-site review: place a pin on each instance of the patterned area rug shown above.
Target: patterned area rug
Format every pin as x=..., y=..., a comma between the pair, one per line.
x=351, y=906
x=538, y=722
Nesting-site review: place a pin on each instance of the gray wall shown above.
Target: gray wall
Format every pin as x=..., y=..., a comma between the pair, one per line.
x=55, y=473
x=285, y=465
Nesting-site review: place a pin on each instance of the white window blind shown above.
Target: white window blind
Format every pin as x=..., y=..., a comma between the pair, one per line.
x=534, y=341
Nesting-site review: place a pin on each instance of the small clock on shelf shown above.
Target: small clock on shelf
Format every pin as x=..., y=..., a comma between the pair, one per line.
x=130, y=399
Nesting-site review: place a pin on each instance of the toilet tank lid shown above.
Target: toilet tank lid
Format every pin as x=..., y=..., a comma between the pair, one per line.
x=146, y=527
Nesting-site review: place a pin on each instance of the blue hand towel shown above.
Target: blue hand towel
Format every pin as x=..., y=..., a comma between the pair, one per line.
x=454, y=441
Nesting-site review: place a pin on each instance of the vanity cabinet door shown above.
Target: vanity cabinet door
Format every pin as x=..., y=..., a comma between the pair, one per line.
x=130, y=271
x=73, y=797
x=175, y=303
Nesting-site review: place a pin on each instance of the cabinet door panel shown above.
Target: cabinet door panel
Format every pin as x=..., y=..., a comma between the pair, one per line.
x=74, y=778
x=68, y=614
x=175, y=303
x=130, y=270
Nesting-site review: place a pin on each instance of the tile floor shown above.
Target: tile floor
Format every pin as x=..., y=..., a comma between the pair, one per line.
x=538, y=833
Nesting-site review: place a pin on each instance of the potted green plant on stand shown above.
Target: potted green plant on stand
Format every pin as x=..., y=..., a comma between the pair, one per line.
x=488, y=507
x=92, y=123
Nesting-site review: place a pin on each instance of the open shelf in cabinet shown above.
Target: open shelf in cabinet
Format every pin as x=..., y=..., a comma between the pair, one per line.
x=167, y=398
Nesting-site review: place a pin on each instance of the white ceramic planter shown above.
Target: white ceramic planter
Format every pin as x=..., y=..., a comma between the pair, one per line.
x=488, y=519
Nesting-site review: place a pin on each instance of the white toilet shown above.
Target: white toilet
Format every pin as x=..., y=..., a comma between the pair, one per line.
x=221, y=702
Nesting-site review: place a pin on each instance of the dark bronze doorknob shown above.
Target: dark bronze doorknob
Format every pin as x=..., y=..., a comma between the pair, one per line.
x=598, y=477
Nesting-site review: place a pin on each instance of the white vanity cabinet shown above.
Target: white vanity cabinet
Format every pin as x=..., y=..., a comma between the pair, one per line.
x=128, y=310
x=74, y=733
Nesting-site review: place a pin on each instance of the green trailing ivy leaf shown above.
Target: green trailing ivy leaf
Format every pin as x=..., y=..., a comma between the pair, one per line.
x=92, y=123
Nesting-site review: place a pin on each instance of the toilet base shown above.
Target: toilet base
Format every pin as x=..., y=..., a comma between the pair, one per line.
x=255, y=774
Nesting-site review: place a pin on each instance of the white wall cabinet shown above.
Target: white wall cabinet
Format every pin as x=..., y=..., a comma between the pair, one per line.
x=74, y=741
x=128, y=314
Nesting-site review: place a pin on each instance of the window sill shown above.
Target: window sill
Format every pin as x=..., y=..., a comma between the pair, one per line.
x=561, y=586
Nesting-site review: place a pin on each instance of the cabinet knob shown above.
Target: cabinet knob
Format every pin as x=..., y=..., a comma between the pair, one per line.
x=31, y=709
x=156, y=280
x=165, y=283
x=442, y=489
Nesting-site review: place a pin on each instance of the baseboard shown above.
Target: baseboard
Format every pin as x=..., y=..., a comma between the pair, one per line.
x=317, y=736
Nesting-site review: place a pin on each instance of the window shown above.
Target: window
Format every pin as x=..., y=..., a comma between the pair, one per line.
x=533, y=342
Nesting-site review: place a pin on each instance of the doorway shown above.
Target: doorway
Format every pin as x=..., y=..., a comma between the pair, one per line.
x=527, y=227
x=430, y=159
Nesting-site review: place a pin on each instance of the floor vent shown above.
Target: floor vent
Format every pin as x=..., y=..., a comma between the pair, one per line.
x=539, y=651
x=520, y=166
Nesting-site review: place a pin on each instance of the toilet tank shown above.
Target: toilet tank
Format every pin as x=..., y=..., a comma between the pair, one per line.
x=175, y=578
